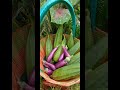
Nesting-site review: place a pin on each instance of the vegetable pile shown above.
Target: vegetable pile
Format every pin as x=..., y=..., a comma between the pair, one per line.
x=62, y=58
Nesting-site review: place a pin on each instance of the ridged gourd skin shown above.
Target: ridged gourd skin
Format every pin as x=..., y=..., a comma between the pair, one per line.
x=64, y=41
x=49, y=46
x=67, y=72
x=75, y=59
x=58, y=36
x=58, y=53
x=70, y=42
x=75, y=48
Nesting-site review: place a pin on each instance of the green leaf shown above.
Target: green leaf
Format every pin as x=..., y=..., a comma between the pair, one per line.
x=59, y=15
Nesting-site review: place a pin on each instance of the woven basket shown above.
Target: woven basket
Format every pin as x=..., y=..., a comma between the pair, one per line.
x=43, y=12
x=44, y=75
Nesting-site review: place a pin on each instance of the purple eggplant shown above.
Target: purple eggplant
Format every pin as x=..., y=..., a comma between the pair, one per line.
x=62, y=62
x=46, y=66
x=48, y=71
x=61, y=57
x=49, y=64
x=51, y=55
x=31, y=80
x=66, y=52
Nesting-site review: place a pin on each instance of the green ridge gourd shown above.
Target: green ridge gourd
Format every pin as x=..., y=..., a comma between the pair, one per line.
x=67, y=72
x=49, y=46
